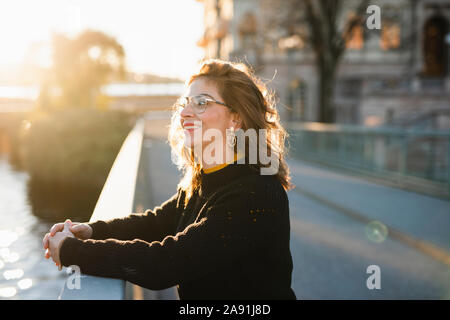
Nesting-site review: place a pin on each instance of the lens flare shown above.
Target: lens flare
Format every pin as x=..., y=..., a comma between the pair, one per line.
x=376, y=231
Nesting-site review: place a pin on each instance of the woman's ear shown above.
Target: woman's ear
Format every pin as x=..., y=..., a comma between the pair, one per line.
x=236, y=121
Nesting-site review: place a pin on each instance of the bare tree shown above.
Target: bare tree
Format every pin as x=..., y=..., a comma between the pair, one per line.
x=321, y=25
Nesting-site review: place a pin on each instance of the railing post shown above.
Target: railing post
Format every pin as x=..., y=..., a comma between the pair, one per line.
x=448, y=166
x=320, y=144
x=403, y=154
x=431, y=160
x=342, y=146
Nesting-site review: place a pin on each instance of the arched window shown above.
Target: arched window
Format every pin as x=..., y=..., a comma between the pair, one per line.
x=355, y=38
x=435, y=50
x=391, y=28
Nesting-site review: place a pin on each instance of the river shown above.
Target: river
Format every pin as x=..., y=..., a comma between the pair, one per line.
x=24, y=272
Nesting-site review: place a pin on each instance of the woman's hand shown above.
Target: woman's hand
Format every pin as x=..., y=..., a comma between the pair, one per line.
x=79, y=230
x=55, y=242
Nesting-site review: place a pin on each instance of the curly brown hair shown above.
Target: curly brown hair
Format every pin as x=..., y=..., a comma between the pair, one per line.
x=250, y=98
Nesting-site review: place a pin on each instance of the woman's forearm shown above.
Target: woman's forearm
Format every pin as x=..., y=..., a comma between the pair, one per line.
x=149, y=226
x=228, y=231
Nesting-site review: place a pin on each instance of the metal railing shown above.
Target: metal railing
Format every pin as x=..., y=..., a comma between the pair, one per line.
x=415, y=159
x=116, y=200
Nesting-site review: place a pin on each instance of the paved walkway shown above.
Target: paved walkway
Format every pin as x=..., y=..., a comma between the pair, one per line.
x=422, y=217
x=332, y=242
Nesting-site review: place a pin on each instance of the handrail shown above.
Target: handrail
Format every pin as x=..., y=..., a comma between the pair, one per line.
x=414, y=159
x=349, y=128
x=116, y=200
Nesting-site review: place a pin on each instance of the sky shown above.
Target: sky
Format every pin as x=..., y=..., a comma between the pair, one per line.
x=159, y=36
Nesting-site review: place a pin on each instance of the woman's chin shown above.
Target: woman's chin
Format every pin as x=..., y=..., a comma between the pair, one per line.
x=189, y=141
x=188, y=145
x=192, y=138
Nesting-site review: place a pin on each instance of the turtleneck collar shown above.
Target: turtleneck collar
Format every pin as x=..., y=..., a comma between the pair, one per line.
x=215, y=168
x=221, y=175
x=237, y=156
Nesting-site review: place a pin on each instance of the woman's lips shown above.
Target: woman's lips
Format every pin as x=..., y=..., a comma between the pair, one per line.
x=191, y=127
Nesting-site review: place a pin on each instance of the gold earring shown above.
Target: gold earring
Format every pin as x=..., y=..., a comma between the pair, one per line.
x=231, y=137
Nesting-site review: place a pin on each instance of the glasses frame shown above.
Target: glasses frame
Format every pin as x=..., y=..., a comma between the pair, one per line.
x=196, y=110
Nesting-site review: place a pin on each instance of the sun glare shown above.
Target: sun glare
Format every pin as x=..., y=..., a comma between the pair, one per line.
x=23, y=23
x=152, y=33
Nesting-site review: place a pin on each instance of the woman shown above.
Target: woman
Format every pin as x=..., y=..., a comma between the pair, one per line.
x=225, y=233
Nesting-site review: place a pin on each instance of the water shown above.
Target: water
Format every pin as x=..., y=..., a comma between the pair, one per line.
x=19, y=92
x=24, y=272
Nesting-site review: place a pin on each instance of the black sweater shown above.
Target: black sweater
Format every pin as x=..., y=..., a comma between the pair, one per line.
x=231, y=241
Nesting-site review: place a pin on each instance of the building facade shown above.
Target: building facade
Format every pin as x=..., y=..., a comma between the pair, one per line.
x=398, y=74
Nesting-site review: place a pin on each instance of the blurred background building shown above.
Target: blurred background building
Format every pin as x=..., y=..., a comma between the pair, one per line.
x=397, y=75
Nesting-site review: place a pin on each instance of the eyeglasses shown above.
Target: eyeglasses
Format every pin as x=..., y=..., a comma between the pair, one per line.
x=199, y=103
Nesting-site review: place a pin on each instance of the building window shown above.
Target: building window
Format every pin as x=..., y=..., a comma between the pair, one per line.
x=434, y=47
x=248, y=30
x=296, y=98
x=355, y=40
x=390, y=35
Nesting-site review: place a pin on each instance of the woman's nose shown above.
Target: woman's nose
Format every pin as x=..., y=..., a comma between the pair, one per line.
x=187, y=111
